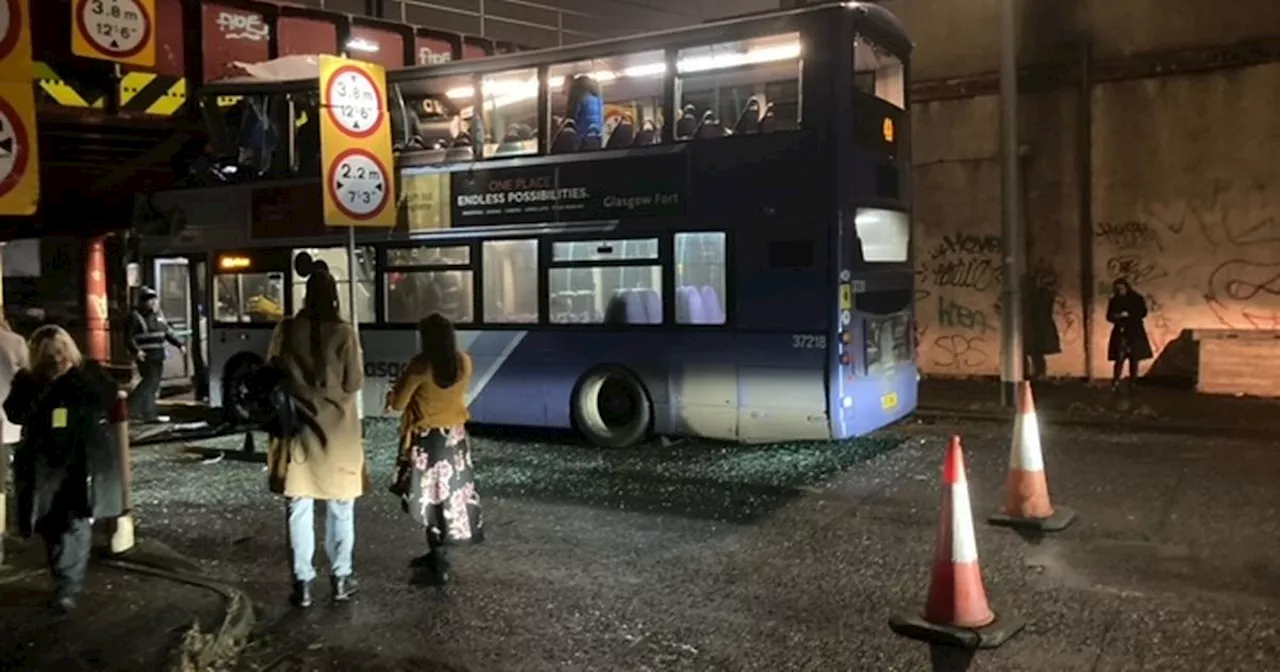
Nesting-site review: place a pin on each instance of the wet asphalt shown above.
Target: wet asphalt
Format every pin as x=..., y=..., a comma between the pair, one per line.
x=693, y=556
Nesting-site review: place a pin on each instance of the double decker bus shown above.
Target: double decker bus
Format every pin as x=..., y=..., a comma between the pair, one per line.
x=703, y=231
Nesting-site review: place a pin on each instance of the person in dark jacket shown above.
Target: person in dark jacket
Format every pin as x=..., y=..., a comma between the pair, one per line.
x=1040, y=331
x=1126, y=311
x=61, y=402
x=147, y=333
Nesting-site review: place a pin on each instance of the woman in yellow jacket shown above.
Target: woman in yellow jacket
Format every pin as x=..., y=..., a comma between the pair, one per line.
x=435, y=476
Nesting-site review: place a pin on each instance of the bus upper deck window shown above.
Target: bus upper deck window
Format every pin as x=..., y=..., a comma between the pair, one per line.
x=739, y=88
x=879, y=73
x=605, y=103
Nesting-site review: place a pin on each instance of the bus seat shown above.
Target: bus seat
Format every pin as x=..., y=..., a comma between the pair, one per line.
x=591, y=141
x=622, y=136
x=749, y=120
x=688, y=122
x=565, y=139
x=460, y=149
x=513, y=140
x=684, y=312
x=711, y=305
x=636, y=311
x=619, y=309
x=652, y=305
x=648, y=135
x=695, y=310
x=709, y=127
x=767, y=120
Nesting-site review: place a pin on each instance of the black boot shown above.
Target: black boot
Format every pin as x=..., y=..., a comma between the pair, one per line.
x=301, y=597
x=344, y=587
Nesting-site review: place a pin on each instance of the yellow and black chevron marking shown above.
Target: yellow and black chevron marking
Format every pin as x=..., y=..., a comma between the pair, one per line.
x=67, y=94
x=149, y=93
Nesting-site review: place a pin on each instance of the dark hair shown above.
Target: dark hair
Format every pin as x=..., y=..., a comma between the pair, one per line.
x=440, y=349
x=1121, y=282
x=320, y=305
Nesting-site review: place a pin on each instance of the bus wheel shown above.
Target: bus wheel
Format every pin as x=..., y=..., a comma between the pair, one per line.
x=235, y=387
x=611, y=408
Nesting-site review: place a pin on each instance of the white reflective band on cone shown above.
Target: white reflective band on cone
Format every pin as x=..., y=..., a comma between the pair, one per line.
x=1026, y=455
x=964, y=547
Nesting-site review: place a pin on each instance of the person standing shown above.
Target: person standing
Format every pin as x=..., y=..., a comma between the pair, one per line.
x=1125, y=311
x=13, y=358
x=324, y=460
x=435, y=477
x=62, y=404
x=147, y=333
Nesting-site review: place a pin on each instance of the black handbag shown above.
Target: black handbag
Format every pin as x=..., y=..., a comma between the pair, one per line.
x=272, y=404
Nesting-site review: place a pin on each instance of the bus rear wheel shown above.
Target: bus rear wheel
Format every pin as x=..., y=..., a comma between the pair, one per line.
x=611, y=408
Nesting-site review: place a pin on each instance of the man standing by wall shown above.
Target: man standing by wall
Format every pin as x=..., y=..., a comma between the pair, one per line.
x=147, y=334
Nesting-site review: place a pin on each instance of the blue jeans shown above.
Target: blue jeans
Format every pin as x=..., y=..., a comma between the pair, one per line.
x=339, y=536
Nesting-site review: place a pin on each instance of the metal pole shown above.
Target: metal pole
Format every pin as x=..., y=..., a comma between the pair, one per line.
x=482, y=26
x=351, y=302
x=560, y=29
x=1010, y=221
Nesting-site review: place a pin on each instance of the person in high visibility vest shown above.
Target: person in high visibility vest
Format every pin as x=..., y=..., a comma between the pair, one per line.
x=147, y=334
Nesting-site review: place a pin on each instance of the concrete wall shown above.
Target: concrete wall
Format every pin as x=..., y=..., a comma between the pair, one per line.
x=1186, y=204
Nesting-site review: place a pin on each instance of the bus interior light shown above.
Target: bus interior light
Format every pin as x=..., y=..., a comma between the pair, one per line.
x=509, y=92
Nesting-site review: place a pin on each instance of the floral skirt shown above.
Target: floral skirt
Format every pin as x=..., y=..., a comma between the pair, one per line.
x=442, y=489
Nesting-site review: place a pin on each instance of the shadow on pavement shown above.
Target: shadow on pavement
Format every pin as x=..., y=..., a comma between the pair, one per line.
x=949, y=658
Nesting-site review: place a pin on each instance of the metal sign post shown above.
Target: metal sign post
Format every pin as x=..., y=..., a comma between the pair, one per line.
x=1011, y=372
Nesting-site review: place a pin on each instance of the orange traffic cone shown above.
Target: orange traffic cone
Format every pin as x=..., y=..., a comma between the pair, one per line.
x=957, y=612
x=1026, y=503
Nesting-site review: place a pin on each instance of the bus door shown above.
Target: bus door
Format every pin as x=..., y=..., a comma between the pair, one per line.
x=173, y=288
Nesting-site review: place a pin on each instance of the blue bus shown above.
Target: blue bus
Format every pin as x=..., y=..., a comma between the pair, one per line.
x=702, y=232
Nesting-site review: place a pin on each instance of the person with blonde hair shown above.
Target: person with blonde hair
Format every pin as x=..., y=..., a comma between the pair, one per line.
x=13, y=358
x=61, y=400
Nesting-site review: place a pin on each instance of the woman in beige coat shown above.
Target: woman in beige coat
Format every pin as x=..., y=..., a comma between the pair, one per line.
x=326, y=460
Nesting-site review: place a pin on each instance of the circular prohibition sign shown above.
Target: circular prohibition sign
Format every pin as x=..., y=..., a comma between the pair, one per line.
x=10, y=26
x=120, y=28
x=354, y=102
x=14, y=151
x=358, y=184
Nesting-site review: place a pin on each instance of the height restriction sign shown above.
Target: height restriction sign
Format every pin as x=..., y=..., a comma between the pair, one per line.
x=15, y=41
x=355, y=143
x=123, y=31
x=19, y=155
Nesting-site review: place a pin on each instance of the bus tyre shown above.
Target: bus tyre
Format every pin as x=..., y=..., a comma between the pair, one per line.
x=235, y=387
x=611, y=408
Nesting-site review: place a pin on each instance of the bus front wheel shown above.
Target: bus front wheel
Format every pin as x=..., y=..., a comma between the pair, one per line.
x=235, y=387
x=611, y=408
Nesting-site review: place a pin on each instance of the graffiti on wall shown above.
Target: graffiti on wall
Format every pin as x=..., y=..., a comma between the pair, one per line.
x=1201, y=262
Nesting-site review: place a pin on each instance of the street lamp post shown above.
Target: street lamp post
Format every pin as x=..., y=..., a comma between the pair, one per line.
x=1010, y=220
